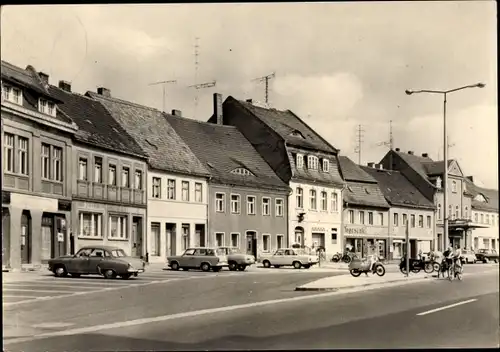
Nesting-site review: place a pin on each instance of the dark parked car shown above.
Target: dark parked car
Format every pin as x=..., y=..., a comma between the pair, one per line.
x=485, y=255
x=107, y=261
x=236, y=259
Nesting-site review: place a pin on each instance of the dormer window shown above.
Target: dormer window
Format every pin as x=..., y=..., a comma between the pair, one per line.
x=12, y=94
x=242, y=171
x=312, y=162
x=300, y=161
x=326, y=165
x=297, y=133
x=438, y=182
x=46, y=107
x=480, y=198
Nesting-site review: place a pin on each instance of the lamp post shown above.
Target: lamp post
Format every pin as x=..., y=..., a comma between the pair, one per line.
x=445, y=144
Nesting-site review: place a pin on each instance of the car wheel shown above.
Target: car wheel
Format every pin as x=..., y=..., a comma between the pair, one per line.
x=242, y=267
x=205, y=267
x=486, y=260
x=174, y=266
x=266, y=263
x=233, y=266
x=60, y=271
x=126, y=276
x=297, y=265
x=109, y=274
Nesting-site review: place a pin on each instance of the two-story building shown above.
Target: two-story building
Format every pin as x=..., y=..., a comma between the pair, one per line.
x=176, y=180
x=304, y=161
x=427, y=175
x=109, y=168
x=484, y=216
x=408, y=206
x=36, y=170
x=247, y=200
x=366, y=212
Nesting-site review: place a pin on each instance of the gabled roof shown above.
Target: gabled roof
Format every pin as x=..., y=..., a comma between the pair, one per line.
x=435, y=167
x=353, y=172
x=165, y=149
x=491, y=196
x=364, y=194
x=289, y=126
x=223, y=149
x=398, y=190
x=415, y=162
x=95, y=124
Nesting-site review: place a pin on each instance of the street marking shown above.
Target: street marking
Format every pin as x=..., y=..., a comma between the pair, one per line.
x=52, y=325
x=446, y=307
x=20, y=285
x=16, y=296
x=45, y=291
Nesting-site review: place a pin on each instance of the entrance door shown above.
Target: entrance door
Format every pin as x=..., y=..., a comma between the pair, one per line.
x=318, y=239
x=46, y=250
x=25, y=237
x=413, y=248
x=252, y=243
x=170, y=239
x=137, y=237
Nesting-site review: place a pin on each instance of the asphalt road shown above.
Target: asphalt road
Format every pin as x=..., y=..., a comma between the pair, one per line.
x=262, y=311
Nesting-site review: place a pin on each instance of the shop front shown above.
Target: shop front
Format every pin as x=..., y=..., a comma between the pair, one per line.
x=366, y=240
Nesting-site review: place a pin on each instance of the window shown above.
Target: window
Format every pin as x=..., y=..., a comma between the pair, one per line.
x=82, y=169
x=312, y=198
x=98, y=169
x=46, y=107
x=466, y=213
x=476, y=218
x=155, y=239
x=251, y=205
x=300, y=198
x=381, y=219
x=45, y=161
x=138, y=179
x=266, y=239
x=57, y=163
x=156, y=187
x=420, y=221
x=449, y=211
x=170, y=189
x=454, y=186
x=439, y=211
x=12, y=94
x=324, y=201
x=90, y=225
x=334, y=236
x=370, y=218
x=23, y=155
x=300, y=161
x=396, y=219
x=335, y=201
x=219, y=239
x=482, y=218
x=8, y=149
x=361, y=217
x=266, y=206
x=185, y=237
x=326, y=165
x=125, y=177
x=278, y=207
x=350, y=216
x=118, y=227
x=185, y=191
x=456, y=212
x=488, y=219
x=235, y=203
x=279, y=240
x=220, y=202
x=235, y=239
x=405, y=219
x=242, y=171
x=312, y=162
x=493, y=220
x=198, y=192
x=429, y=222
x=112, y=175
x=412, y=217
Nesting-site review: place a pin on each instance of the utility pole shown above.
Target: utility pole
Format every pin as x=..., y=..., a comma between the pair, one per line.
x=359, y=140
x=266, y=80
x=390, y=144
x=164, y=84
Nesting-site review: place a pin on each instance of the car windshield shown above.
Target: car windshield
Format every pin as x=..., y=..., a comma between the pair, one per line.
x=220, y=251
x=118, y=253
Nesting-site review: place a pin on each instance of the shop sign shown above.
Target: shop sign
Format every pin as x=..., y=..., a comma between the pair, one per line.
x=355, y=230
x=318, y=229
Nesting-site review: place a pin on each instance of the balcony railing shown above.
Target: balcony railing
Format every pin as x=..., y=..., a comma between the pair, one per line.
x=103, y=192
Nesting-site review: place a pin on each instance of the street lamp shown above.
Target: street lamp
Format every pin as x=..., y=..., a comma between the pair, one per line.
x=445, y=138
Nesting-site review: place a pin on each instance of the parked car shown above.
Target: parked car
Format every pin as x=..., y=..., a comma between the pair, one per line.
x=289, y=257
x=202, y=258
x=237, y=260
x=468, y=256
x=107, y=261
x=485, y=255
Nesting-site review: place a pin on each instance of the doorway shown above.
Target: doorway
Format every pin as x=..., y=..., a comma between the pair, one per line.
x=199, y=230
x=137, y=237
x=299, y=235
x=413, y=248
x=26, y=237
x=5, y=236
x=251, y=238
x=171, y=239
x=47, y=249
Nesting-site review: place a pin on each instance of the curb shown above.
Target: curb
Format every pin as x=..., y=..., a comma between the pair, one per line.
x=302, y=288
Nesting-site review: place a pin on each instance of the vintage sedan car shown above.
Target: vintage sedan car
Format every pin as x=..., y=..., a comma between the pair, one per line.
x=236, y=259
x=468, y=256
x=202, y=258
x=486, y=255
x=107, y=261
x=289, y=257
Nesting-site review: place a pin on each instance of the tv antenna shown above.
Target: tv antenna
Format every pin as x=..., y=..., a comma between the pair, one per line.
x=164, y=84
x=390, y=144
x=199, y=86
x=266, y=80
x=359, y=142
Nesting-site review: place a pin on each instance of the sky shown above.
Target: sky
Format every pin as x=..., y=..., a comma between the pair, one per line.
x=337, y=65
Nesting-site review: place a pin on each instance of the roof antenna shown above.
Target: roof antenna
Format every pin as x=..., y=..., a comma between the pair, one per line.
x=266, y=80
x=164, y=83
x=389, y=144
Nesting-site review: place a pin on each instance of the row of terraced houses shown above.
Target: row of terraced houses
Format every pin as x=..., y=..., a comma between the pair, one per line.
x=94, y=169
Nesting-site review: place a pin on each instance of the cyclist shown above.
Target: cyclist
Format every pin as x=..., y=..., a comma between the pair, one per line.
x=448, y=259
x=437, y=257
x=456, y=257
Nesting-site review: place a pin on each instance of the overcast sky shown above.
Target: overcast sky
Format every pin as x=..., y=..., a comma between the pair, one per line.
x=337, y=65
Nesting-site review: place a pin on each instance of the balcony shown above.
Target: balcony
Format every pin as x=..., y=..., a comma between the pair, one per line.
x=109, y=193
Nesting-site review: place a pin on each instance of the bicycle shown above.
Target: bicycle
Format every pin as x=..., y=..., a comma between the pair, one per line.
x=455, y=271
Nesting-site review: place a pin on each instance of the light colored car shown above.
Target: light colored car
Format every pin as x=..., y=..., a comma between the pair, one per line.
x=99, y=260
x=202, y=258
x=468, y=256
x=236, y=259
x=289, y=257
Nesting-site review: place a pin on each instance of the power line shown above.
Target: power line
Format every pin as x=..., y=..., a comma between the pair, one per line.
x=164, y=84
x=359, y=140
x=266, y=80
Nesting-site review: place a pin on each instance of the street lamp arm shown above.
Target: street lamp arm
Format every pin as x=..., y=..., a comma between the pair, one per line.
x=477, y=85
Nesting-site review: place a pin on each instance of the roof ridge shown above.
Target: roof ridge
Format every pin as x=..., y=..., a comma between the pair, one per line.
x=127, y=102
x=200, y=122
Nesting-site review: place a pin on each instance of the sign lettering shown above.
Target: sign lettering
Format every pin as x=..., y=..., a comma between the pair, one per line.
x=355, y=230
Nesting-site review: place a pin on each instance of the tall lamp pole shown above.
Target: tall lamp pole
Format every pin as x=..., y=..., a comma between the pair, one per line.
x=445, y=139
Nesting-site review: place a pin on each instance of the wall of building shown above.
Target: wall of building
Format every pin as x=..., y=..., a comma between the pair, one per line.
x=486, y=237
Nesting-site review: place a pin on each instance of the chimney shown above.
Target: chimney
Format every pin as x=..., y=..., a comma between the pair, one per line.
x=218, y=108
x=397, y=149
x=105, y=92
x=177, y=112
x=371, y=164
x=470, y=178
x=410, y=152
x=64, y=85
x=44, y=77
x=425, y=155
x=249, y=101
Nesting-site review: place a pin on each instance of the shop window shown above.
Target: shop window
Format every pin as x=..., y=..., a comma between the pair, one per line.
x=266, y=243
x=334, y=237
x=155, y=239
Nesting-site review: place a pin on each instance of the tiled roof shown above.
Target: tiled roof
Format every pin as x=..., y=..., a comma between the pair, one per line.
x=397, y=189
x=224, y=149
x=416, y=162
x=95, y=124
x=332, y=177
x=365, y=194
x=163, y=146
x=289, y=126
x=491, y=196
x=435, y=167
x=353, y=172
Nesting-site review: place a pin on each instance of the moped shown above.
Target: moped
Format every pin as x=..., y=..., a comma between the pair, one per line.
x=360, y=266
x=346, y=257
x=418, y=264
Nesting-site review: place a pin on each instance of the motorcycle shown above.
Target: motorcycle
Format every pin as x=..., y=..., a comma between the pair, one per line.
x=346, y=257
x=416, y=265
x=360, y=266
